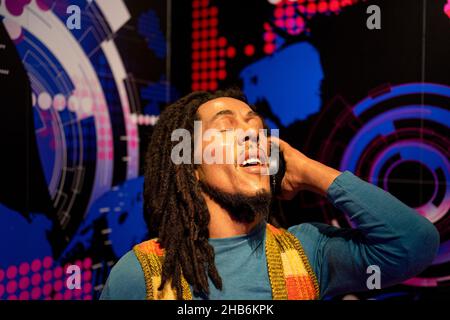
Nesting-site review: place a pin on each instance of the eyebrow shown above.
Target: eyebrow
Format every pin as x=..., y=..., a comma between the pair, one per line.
x=228, y=112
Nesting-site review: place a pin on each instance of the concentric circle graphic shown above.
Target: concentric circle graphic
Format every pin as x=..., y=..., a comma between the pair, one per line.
x=397, y=139
x=85, y=138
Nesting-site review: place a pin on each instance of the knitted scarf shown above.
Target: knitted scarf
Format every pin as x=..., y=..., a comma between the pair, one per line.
x=290, y=274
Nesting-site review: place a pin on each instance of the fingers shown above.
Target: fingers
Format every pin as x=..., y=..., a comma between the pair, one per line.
x=280, y=143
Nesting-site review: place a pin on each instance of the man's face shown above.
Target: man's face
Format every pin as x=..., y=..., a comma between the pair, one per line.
x=228, y=115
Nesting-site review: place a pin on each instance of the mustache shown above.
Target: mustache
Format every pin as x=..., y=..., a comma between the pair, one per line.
x=241, y=207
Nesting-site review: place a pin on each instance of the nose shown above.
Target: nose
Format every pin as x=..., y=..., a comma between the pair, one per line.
x=249, y=135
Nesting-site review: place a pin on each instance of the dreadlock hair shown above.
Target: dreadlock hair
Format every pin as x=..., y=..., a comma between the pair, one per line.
x=172, y=197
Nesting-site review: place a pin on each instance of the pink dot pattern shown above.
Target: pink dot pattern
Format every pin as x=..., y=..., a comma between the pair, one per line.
x=287, y=18
x=43, y=279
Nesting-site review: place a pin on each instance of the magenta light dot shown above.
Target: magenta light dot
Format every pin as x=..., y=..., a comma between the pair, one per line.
x=77, y=292
x=58, y=271
x=221, y=74
x=300, y=22
x=87, y=275
x=87, y=263
x=334, y=5
x=58, y=285
x=278, y=12
x=11, y=272
x=213, y=33
x=24, y=268
x=269, y=48
x=44, y=5
x=290, y=11
x=47, y=289
x=279, y=23
x=12, y=297
x=78, y=263
x=11, y=287
x=311, y=8
x=2, y=274
x=36, y=265
x=249, y=50
x=213, y=85
x=48, y=274
x=322, y=7
x=24, y=283
x=231, y=52
x=24, y=295
x=36, y=293
x=35, y=279
x=222, y=42
x=47, y=262
x=290, y=23
x=269, y=36
x=68, y=295
x=2, y=290
x=58, y=296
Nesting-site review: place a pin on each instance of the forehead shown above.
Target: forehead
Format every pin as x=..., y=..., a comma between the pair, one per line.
x=209, y=109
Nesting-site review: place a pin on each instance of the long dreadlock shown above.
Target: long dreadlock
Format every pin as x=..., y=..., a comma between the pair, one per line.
x=177, y=210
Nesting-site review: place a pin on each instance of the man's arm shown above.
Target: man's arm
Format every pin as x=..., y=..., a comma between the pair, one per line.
x=388, y=234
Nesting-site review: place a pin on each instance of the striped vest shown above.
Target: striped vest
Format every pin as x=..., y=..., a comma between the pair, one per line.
x=290, y=275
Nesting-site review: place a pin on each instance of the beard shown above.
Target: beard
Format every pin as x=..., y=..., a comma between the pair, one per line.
x=241, y=207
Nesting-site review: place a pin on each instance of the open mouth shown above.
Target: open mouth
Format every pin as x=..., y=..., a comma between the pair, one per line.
x=251, y=162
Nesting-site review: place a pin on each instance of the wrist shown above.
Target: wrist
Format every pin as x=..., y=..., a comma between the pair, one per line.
x=317, y=177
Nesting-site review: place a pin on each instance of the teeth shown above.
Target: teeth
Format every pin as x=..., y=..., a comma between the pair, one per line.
x=251, y=161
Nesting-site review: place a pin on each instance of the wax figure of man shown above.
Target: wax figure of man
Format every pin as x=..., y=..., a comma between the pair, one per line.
x=214, y=241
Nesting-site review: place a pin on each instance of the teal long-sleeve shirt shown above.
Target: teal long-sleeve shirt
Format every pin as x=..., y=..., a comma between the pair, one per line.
x=388, y=234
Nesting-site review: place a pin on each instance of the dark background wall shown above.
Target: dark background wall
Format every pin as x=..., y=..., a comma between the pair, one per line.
x=77, y=108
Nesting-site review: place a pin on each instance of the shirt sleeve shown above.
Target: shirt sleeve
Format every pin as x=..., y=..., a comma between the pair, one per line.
x=126, y=280
x=388, y=235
